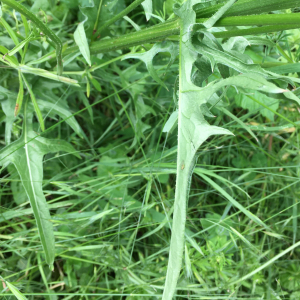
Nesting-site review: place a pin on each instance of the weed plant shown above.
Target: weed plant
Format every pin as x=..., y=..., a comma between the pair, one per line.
x=149, y=149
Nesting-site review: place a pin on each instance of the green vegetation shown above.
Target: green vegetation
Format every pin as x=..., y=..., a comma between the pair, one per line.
x=149, y=149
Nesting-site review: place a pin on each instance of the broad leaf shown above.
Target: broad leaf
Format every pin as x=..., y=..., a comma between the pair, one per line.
x=27, y=156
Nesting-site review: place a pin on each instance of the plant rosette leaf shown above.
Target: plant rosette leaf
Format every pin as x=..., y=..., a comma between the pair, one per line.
x=27, y=156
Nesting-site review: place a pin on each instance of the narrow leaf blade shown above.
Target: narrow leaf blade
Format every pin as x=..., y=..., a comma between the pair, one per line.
x=82, y=43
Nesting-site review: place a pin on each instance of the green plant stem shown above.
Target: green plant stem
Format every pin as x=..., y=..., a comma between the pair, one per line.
x=45, y=29
x=256, y=20
x=154, y=34
x=256, y=30
x=247, y=7
x=150, y=34
x=119, y=16
x=98, y=16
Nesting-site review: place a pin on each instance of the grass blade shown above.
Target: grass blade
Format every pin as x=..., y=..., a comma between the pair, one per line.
x=234, y=202
x=35, y=105
x=268, y=263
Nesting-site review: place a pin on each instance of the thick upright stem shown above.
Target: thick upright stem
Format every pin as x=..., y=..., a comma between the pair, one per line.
x=162, y=31
x=179, y=216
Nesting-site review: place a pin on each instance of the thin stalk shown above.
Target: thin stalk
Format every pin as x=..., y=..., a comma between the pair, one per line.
x=256, y=30
x=119, y=16
x=97, y=19
x=247, y=7
x=152, y=35
x=280, y=19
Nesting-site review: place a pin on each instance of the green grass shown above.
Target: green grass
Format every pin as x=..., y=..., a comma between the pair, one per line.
x=106, y=165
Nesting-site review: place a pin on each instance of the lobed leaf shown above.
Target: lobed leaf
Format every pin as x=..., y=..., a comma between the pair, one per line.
x=147, y=57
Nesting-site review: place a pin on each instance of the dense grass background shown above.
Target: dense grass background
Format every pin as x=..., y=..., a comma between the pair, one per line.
x=111, y=209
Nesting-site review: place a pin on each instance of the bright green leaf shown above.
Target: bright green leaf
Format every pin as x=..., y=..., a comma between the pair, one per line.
x=147, y=5
x=82, y=43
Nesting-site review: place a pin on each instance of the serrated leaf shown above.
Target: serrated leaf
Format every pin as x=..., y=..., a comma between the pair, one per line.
x=27, y=156
x=82, y=43
x=233, y=59
x=193, y=130
x=147, y=57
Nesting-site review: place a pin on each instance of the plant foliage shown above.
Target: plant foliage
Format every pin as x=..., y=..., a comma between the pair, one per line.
x=124, y=205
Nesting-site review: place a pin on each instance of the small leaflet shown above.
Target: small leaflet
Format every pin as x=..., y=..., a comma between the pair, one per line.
x=170, y=124
x=82, y=43
x=147, y=5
